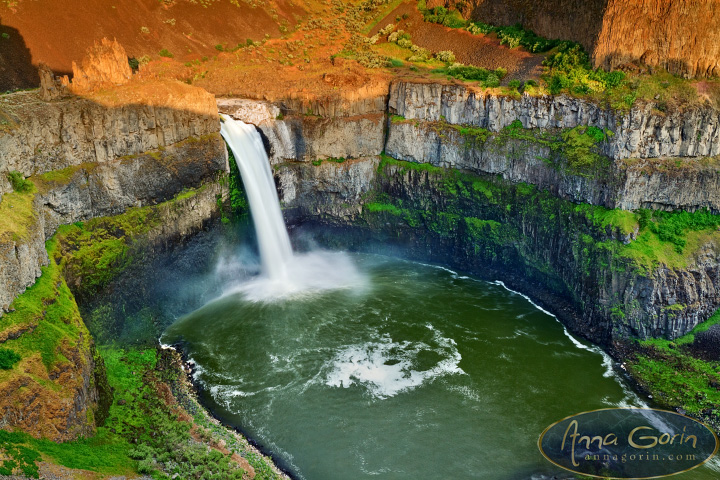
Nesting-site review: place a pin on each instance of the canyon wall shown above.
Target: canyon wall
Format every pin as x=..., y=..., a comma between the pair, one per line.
x=72, y=160
x=89, y=159
x=680, y=36
x=490, y=188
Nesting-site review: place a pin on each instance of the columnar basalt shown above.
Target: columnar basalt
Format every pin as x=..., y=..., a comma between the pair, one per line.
x=536, y=220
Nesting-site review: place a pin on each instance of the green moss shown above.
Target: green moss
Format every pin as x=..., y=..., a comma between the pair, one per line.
x=19, y=183
x=383, y=207
x=63, y=176
x=16, y=212
x=676, y=379
x=238, y=199
x=404, y=166
x=397, y=119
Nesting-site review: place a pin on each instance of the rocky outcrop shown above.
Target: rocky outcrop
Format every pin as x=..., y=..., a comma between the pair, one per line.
x=652, y=161
x=56, y=135
x=100, y=155
x=680, y=36
x=57, y=403
x=57, y=390
x=546, y=247
x=106, y=64
x=307, y=137
x=98, y=189
x=332, y=190
x=640, y=133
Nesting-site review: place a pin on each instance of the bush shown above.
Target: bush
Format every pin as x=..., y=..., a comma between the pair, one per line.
x=387, y=29
x=219, y=47
x=404, y=43
x=18, y=182
x=8, y=358
x=134, y=63
x=165, y=53
x=446, y=56
x=514, y=84
x=492, y=81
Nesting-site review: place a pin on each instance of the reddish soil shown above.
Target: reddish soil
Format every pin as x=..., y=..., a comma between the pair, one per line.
x=480, y=50
x=58, y=32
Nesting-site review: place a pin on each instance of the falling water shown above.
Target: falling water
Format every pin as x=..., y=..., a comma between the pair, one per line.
x=283, y=272
x=252, y=161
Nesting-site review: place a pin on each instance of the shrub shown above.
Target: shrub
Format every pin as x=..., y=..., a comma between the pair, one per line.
x=18, y=182
x=219, y=47
x=514, y=84
x=165, y=53
x=446, y=56
x=492, y=81
x=144, y=30
x=144, y=60
x=8, y=358
x=5, y=35
x=387, y=29
x=404, y=43
x=134, y=63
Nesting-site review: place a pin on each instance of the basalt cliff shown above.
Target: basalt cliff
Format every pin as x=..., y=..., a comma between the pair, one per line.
x=555, y=196
x=510, y=188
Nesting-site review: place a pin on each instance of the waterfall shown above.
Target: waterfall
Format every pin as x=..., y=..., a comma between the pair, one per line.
x=252, y=161
x=283, y=273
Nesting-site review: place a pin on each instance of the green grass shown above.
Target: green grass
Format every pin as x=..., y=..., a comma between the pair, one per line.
x=50, y=306
x=623, y=221
x=16, y=212
x=671, y=238
x=674, y=377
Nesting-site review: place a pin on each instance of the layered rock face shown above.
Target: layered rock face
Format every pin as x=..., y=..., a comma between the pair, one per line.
x=547, y=240
x=681, y=36
x=291, y=134
x=91, y=158
x=654, y=161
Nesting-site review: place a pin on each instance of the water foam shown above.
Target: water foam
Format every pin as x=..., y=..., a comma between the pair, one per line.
x=385, y=368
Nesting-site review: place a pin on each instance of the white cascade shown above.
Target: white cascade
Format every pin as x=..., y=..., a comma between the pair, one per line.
x=252, y=161
x=284, y=273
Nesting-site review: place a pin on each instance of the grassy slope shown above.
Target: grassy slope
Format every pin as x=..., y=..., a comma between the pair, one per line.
x=128, y=442
x=677, y=379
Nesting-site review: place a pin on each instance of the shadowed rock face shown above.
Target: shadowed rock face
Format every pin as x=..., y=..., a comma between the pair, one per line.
x=681, y=36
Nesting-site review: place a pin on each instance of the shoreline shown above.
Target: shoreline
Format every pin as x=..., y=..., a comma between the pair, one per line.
x=189, y=389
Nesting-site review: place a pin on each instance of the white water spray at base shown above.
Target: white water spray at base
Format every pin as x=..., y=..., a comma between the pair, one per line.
x=284, y=273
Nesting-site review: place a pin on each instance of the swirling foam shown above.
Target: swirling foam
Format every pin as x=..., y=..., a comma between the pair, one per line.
x=385, y=368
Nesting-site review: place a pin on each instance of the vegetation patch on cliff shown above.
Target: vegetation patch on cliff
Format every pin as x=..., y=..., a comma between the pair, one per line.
x=16, y=210
x=676, y=377
x=145, y=430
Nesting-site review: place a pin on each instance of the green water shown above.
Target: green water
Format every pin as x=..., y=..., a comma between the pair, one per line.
x=420, y=374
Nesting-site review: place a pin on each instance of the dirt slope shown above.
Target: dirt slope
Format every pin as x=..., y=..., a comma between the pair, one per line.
x=58, y=32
